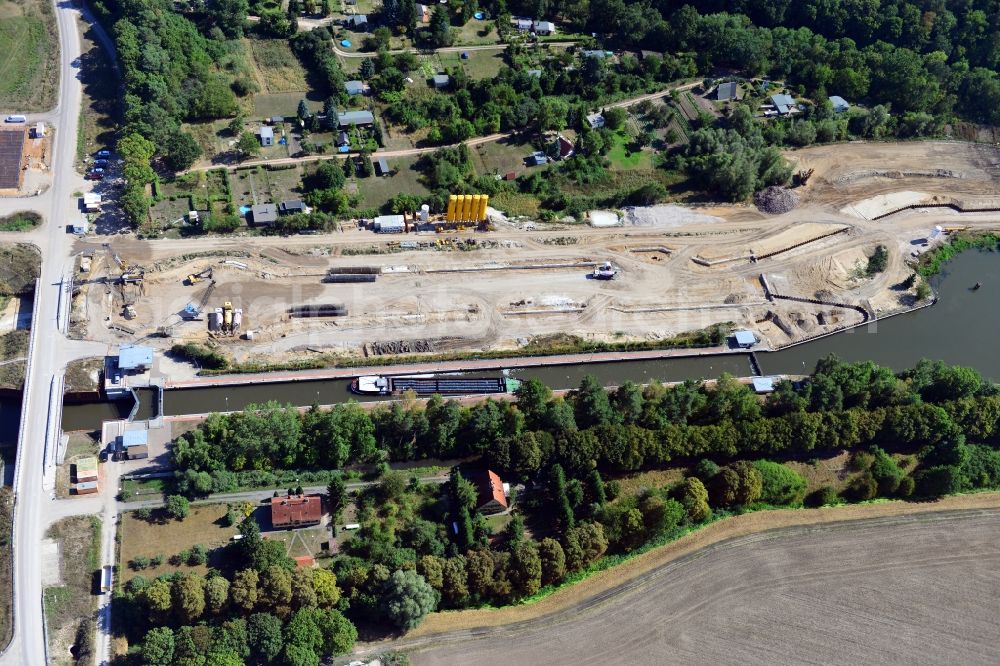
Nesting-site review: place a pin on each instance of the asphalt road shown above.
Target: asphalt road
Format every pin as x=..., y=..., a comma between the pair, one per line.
x=905, y=590
x=35, y=507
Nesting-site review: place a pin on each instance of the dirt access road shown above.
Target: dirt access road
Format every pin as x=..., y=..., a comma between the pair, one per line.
x=917, y=588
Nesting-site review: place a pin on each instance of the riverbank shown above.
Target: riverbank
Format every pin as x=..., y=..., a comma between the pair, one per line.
x=600, y=587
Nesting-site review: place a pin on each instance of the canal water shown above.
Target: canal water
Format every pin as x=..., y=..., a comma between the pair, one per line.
x=960, y=329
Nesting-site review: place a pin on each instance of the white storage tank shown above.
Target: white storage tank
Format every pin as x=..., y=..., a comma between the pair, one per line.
x=425, y=213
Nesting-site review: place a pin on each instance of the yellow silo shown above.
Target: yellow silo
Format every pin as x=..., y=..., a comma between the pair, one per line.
x=466, y=208
x=482, y=207
x=452, y=201
x=459, y=206
x=474, y=209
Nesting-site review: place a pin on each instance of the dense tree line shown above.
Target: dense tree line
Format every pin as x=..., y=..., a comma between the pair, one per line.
x=426, y=546
x=170, y=64
x=842, y=406
x=265, y=611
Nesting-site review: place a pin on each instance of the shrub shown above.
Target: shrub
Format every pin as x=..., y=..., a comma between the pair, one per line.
x=206, y=358
x=822, y=497
x=862, y=461
x=178, y=507
x=862, y=488
x=779, y=484
x=198, y=555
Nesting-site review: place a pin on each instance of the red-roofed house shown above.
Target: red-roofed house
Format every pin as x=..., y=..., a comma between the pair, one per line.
x=565, y=147
x=304, y=561
x=492, y=498
x=296, y=510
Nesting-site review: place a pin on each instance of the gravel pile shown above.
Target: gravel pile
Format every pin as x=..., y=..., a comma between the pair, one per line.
x=775, y=200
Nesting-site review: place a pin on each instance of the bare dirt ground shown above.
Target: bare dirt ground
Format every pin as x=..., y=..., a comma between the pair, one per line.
x=456, y=296
x=914, y=581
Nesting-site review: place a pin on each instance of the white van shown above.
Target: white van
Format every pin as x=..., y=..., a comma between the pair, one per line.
x=16, y=119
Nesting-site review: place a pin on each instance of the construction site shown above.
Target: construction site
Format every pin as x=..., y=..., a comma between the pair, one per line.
x=662, y=271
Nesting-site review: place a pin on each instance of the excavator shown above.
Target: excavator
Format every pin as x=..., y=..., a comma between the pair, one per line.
x=195, y=278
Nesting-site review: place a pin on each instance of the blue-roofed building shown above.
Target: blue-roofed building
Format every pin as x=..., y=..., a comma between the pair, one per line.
x=785, y=104
x=135, y=358
x=839, y=104
x=745, y=339
x=354, y=87
x=135, y=444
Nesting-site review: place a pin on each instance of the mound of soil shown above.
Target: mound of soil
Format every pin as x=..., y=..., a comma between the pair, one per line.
x=775, y=200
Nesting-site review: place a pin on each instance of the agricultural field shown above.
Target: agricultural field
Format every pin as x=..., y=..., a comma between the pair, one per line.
x=730, y=603
x=256, y=186
x=29, y=70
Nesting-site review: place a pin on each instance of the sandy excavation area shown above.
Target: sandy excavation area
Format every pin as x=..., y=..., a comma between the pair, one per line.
x=478, y=291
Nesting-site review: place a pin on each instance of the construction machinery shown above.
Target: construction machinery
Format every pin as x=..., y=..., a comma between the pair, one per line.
x=227, y=317
x=195, y=278
x=803, y=176
x=605, y=271
x=130, y=273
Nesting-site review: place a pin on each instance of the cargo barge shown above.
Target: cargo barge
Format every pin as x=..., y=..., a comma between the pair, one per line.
x=430, y=385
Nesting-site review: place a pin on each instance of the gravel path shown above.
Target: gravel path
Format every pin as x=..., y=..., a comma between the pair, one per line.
x=902, y=587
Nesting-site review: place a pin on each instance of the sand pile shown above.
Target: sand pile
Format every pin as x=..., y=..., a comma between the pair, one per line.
x=775, y=200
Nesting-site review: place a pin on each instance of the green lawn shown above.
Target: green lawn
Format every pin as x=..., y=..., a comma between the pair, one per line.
x=500, y=157
x=623, y=158
x=284, y=104
x=375, y=191
x=28, y=68
x=479, y=64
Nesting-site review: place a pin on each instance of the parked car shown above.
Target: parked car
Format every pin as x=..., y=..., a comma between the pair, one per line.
x=104, y=152
x=101, y=163
x=95, y=175
x=97, y=170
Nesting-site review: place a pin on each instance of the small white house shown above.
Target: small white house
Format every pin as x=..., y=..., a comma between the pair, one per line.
x=91, y=202
x=595, y=120
x=266, y=136
x=39, y=130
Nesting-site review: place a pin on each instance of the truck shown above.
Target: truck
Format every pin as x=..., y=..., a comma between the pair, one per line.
x=107, y=578
x=605, y=271
x=16, y=118
x=227, y=317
